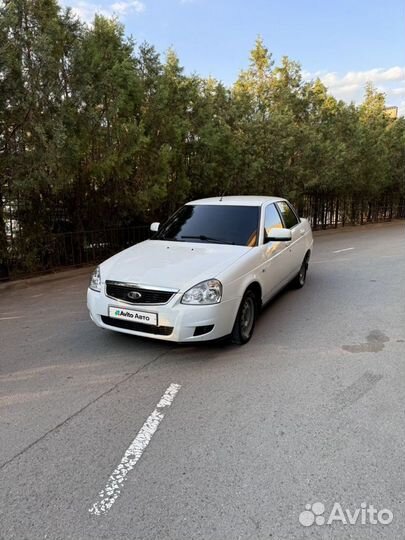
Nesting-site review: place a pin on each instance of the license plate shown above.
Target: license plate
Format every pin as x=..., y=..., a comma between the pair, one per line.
x=133, y=315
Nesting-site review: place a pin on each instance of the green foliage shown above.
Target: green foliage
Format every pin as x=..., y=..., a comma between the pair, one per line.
x=96, y=131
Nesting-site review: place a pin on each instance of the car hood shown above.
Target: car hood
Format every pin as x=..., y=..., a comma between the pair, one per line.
x=177, y=265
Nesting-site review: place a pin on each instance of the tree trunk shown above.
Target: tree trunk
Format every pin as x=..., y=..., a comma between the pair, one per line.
x=336, y=213
x=4, y=269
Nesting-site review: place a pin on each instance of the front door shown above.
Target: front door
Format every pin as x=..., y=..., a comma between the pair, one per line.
x=275, y=255
x=297, y=245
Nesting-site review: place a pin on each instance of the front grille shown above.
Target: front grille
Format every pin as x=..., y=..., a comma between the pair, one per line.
x=124, y=291
x=138, y=327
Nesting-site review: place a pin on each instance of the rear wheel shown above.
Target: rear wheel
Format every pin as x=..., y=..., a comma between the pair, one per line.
x=299, y=281
x=245, y=319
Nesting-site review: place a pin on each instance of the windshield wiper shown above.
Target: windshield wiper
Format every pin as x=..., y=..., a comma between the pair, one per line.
x=208, y=239
x=167, y=238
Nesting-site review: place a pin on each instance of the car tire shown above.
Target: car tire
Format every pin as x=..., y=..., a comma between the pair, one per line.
x=299, y=281
x=245, y=319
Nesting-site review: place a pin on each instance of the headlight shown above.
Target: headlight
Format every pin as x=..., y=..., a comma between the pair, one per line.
x=95, y=280
x=206, y=292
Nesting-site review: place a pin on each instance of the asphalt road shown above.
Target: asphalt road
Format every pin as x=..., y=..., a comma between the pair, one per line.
x=311, y=410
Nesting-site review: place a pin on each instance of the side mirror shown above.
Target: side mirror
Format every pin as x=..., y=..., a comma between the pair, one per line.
x=278, y=235
x=155, y=226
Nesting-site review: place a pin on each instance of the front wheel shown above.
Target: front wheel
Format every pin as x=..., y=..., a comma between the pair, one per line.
x=245, y=319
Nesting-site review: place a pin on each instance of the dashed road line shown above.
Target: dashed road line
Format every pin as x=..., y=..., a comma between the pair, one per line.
x=333, y=261
x=112, y=490
x=345, y=249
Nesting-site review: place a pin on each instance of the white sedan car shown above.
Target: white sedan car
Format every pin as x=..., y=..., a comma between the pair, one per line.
x=205, y=273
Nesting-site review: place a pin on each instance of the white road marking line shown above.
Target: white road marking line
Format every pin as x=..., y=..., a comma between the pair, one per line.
x=333, y=261
x=346, y=249
x=112, y=490
x=9, y=318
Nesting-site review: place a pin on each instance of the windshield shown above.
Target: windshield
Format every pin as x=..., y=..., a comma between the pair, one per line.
x=216, y=224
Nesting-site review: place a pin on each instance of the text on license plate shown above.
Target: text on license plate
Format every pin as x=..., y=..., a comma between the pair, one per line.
x=132, y=315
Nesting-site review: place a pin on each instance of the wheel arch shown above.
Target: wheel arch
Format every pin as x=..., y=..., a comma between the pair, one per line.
x=257, y=289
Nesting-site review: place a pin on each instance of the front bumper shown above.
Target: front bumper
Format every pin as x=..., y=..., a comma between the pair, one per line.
x=182, y=318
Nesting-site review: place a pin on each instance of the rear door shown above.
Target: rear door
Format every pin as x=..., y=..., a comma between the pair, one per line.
x=297, y=245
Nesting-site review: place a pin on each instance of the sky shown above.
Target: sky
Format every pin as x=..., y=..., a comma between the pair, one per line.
x=344, y=42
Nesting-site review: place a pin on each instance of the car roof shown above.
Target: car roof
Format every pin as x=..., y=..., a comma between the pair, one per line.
x=237, y=200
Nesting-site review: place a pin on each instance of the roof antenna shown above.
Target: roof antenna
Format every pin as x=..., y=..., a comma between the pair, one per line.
x=222, y=196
